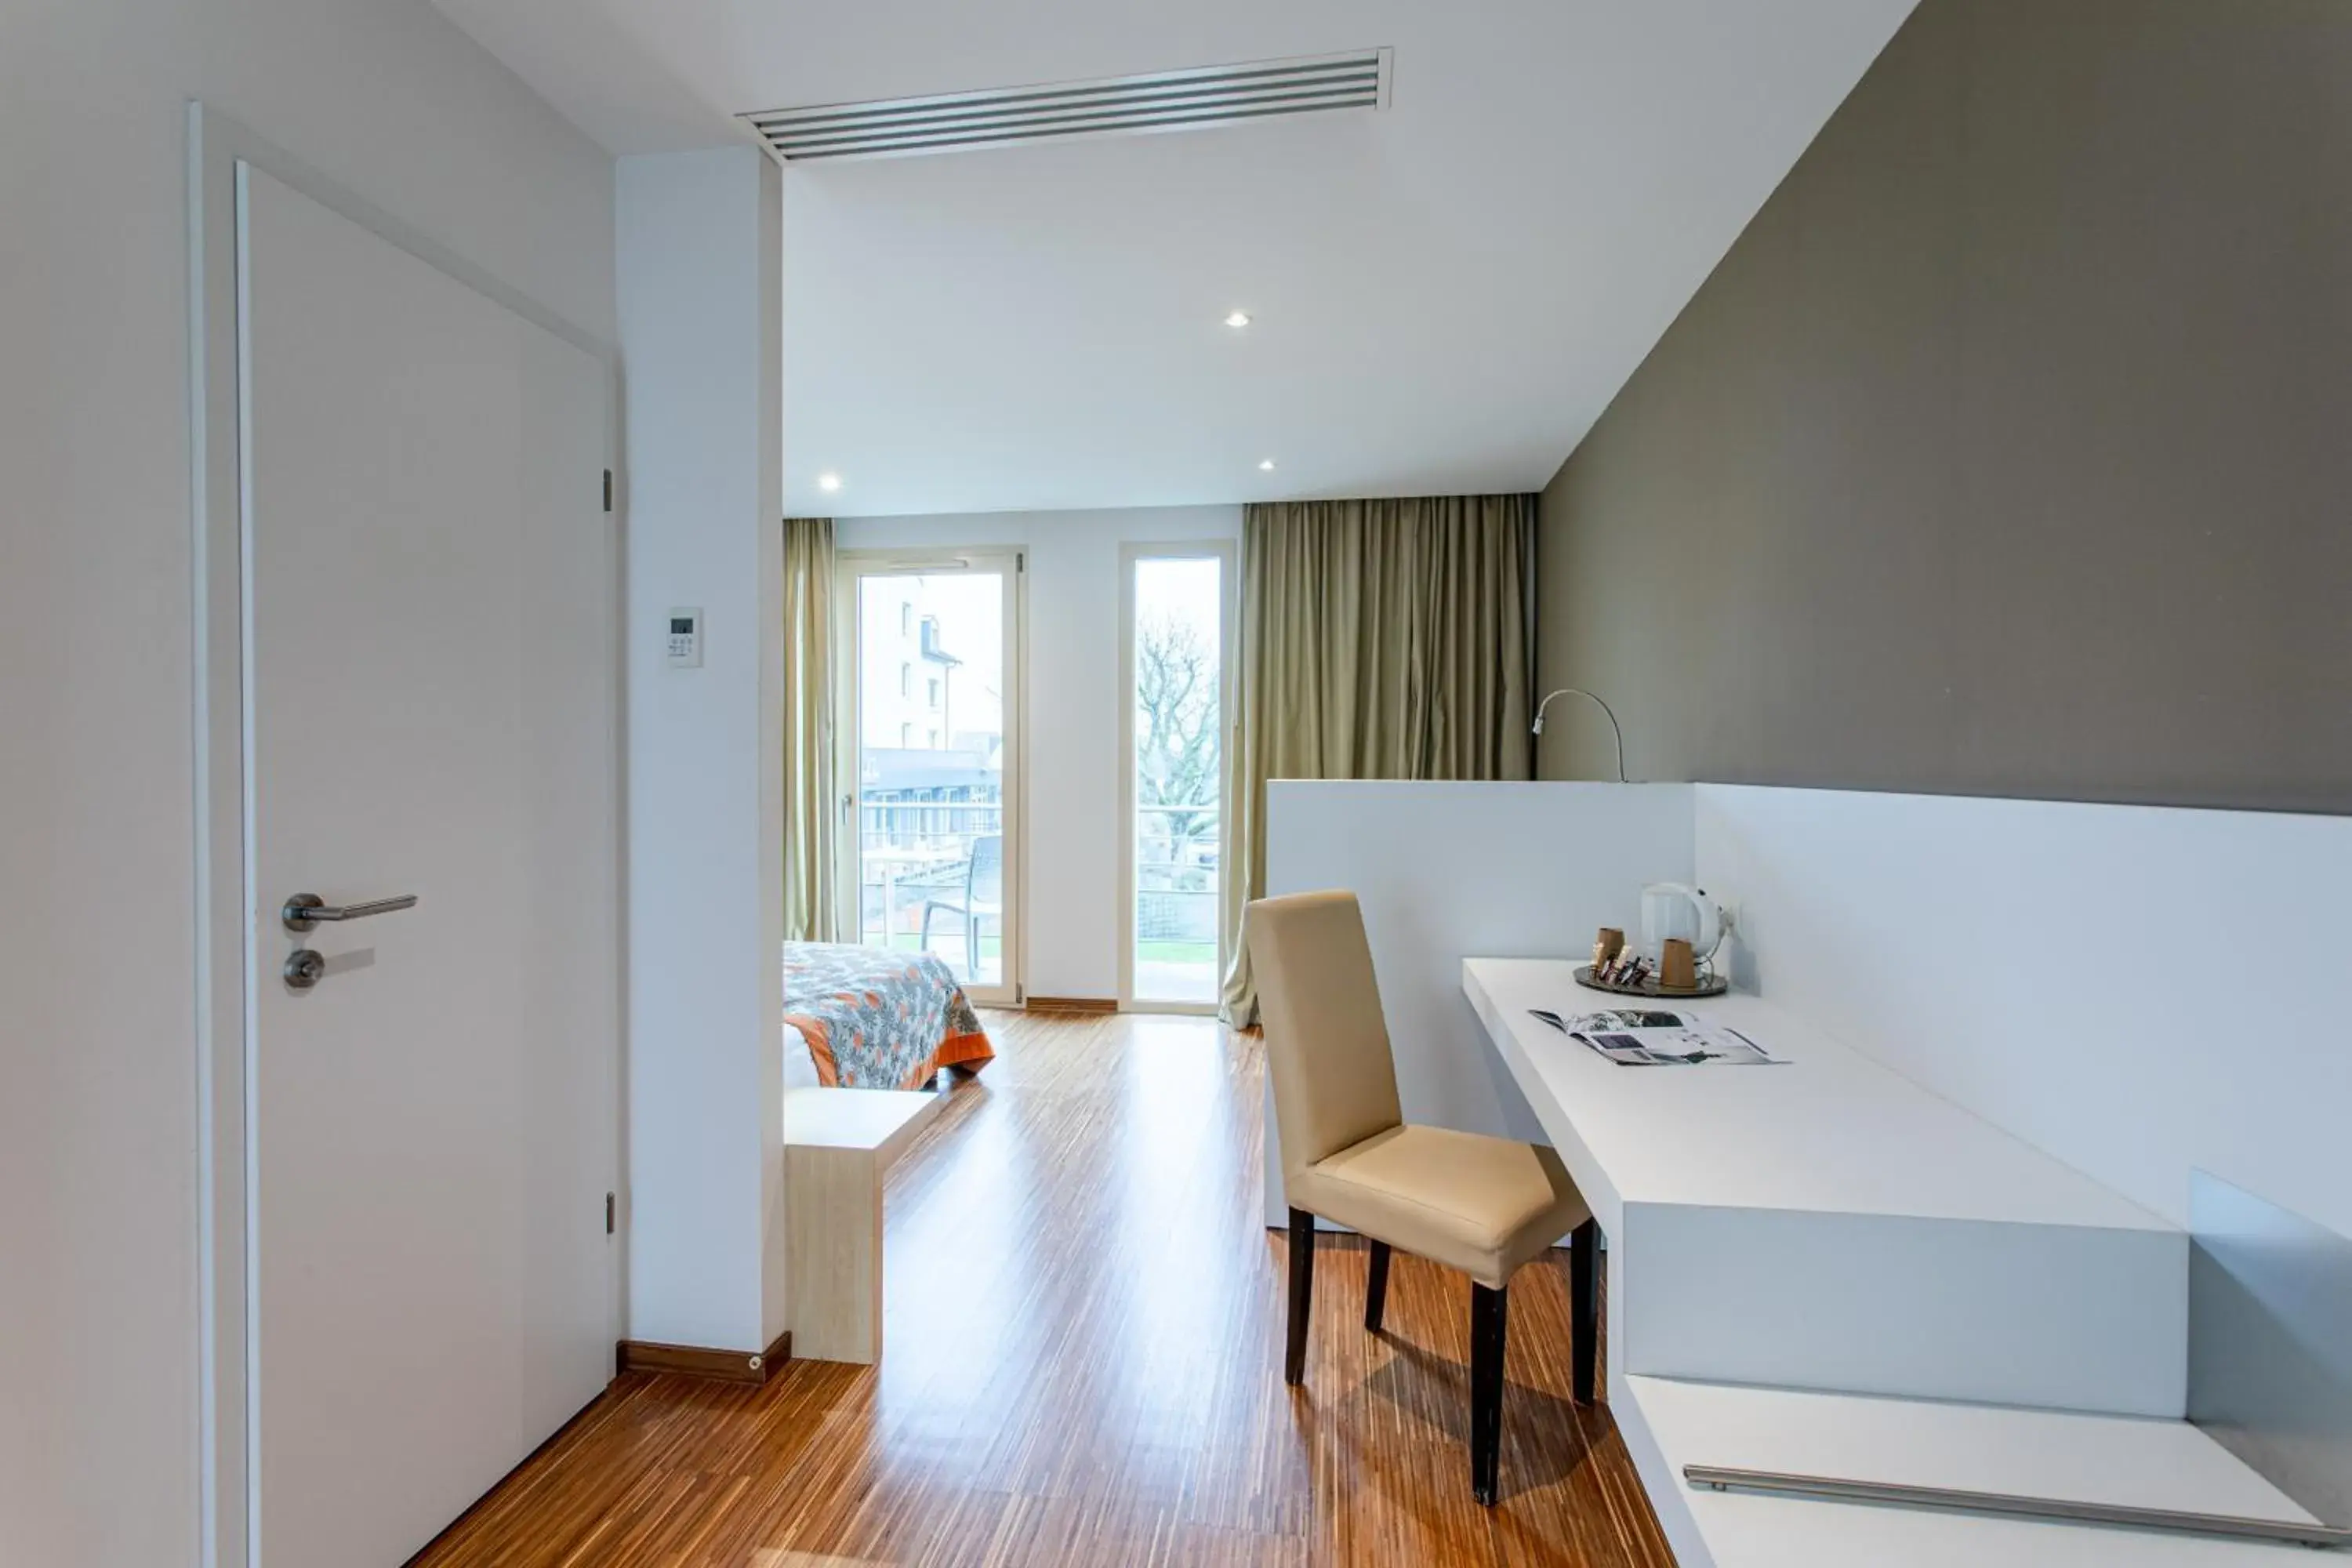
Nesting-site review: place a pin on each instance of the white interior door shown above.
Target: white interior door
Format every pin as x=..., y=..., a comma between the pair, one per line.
x=431, y=710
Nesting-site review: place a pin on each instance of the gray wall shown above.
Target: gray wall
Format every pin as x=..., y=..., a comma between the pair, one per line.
x=2010, y=449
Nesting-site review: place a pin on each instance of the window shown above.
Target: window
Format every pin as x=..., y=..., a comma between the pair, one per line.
x=924, y=868
x=1173, y=611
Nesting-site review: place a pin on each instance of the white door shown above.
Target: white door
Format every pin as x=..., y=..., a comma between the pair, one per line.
x=431, y=710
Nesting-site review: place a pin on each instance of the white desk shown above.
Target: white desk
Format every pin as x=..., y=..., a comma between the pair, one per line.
x=1828, y=1226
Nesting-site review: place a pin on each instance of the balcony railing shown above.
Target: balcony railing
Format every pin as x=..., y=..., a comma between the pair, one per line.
x=909, y=849
x=1178, y=850
x=911, y=824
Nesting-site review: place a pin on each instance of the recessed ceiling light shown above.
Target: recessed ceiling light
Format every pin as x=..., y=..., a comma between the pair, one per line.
x=1267, y=466
x=828, y=481
x=1238, y=319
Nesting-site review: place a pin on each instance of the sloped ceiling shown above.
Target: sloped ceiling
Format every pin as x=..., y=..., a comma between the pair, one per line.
x=1445, y=296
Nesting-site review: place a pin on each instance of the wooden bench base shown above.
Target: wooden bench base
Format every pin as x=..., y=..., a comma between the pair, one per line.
x=838, y=1142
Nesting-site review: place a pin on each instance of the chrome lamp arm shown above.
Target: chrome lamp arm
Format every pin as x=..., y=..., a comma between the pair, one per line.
x=1619, y=735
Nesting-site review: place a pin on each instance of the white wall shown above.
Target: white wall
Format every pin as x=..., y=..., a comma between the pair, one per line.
x=1449, y=871
x=1073, y=768
x=700, y=297
x=98, y=1112
x=2138, y=991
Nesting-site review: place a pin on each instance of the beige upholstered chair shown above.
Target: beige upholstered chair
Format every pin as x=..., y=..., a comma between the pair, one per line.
x=1484, y=1205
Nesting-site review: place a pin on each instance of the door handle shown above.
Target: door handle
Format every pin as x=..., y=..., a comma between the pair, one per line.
x=306, y=911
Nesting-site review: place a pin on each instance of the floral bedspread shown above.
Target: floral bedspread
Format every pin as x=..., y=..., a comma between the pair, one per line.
x=877, y=1019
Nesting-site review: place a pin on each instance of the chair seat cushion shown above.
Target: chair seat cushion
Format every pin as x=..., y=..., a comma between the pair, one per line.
x=1484, y=1205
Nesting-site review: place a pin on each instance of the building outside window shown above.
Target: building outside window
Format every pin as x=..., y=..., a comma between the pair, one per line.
x=931, y=754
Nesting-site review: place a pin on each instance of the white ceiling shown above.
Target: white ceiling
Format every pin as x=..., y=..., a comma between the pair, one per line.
x=1446, y=295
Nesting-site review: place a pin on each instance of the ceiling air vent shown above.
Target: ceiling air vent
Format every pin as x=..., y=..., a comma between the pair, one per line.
x=1172, y=101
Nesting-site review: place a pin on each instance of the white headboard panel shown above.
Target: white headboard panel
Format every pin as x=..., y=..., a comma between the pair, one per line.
x=2138, y=991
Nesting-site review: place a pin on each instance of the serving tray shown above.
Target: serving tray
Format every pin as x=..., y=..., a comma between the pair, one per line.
x=1708, y=986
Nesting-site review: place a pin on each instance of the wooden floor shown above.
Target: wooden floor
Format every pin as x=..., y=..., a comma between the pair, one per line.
x=1084, y=1366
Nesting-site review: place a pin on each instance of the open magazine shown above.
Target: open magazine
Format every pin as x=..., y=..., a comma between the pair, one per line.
x=1655, y=1037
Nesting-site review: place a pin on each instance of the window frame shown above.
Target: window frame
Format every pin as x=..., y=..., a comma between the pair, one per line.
x=1227, y=552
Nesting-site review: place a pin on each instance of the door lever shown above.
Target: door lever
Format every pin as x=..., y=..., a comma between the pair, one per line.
x=306, y=911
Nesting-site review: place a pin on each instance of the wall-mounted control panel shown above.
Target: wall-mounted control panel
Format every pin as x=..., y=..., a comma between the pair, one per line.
x=682, y=646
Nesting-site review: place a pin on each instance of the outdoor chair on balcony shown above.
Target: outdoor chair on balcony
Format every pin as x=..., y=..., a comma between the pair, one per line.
x=982, y=899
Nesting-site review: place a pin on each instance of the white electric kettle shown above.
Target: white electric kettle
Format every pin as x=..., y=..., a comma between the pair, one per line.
x=1672, y=909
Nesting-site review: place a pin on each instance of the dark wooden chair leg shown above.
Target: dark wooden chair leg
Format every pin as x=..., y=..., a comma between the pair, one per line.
x=1376, y=1288
x=1487, y=1313
x=1584, y=1307
x=1302, y=1293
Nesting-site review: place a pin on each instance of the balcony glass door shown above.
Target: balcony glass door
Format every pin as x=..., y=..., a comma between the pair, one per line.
x=934, y=755
x=1173, y=603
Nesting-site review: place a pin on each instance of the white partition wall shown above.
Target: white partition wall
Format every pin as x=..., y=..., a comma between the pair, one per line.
x=1447, y=871
x=2138, y=991
x=700, y=239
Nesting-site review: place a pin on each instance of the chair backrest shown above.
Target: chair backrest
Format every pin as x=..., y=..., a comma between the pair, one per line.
x=1326, y=1044
x=985, y=877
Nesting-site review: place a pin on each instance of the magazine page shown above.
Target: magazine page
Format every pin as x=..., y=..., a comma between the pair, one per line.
x=1657, y=1036
x=1631, y=1018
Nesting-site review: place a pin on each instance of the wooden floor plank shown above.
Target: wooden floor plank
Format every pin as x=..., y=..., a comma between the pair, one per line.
x=1084, y=1327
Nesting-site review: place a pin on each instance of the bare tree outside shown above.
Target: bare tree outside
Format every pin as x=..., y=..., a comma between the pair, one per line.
x=1176, y=749
x=1177, y=718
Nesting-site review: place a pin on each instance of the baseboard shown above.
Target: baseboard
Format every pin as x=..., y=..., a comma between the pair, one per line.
x=751, y=1367
x=1071, y=1004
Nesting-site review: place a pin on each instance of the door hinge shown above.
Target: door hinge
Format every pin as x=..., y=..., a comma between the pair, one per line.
x=608, y=489
x=609, y=1208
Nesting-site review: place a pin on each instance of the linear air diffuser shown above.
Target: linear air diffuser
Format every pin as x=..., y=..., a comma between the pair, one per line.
x=1169, y=100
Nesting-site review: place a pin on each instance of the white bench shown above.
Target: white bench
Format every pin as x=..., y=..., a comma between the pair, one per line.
x=838, y=1142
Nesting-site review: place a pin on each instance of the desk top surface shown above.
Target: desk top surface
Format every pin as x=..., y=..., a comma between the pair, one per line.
x=1830, y=1130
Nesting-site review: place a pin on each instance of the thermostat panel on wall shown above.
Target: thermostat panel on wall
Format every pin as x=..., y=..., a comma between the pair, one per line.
x=682, y=648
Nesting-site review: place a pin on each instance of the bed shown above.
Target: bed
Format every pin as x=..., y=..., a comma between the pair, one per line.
x=871, y=1018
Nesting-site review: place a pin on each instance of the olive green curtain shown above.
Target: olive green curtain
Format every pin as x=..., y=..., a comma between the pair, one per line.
x=812, y=912
x=1379, y=640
